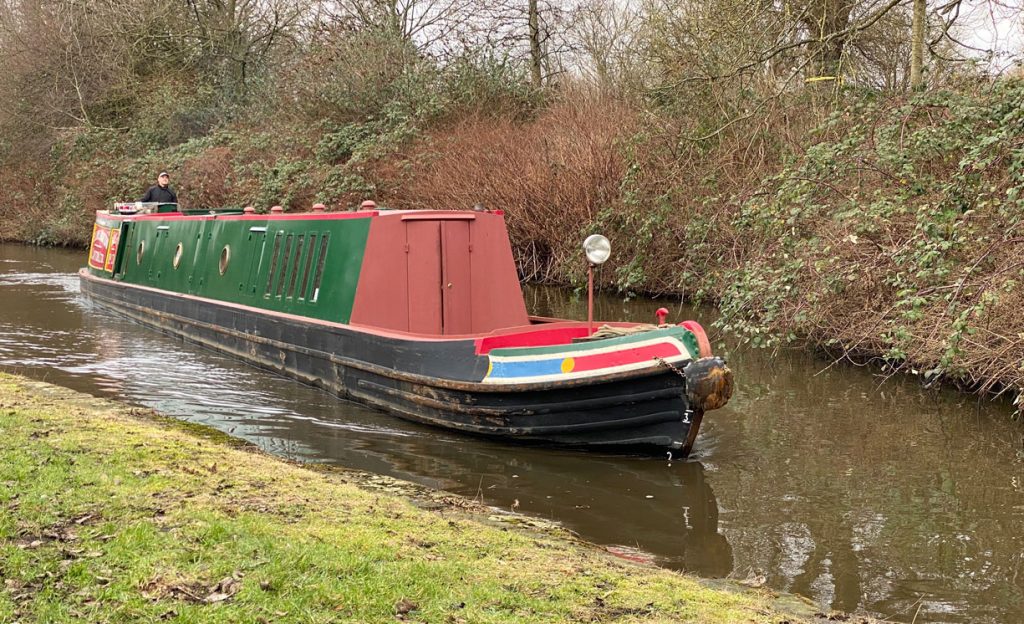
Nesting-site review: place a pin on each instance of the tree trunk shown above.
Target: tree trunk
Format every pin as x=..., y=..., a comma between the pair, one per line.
x=917, y=46
x=826, y=20
x=535, y=50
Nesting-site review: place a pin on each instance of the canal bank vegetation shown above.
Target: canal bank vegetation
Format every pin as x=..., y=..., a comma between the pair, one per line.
x=840, y=174
x=112, y=514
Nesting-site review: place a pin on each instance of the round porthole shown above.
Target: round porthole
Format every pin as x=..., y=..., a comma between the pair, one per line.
x=177, y=256
x=138, y=252
x=225, y=257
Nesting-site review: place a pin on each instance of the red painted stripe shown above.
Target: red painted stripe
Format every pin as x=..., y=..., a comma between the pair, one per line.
x=544, y=332
x=536, y=338
x=626, y=356
x=433, y=216
x=299, y=216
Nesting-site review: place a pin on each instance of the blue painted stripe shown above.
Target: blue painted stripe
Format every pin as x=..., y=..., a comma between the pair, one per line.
x=529, y=368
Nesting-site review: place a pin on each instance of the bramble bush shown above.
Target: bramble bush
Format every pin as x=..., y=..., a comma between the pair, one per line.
x=899, y=237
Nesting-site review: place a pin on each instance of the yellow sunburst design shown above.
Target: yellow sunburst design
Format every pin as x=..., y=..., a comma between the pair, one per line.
x=568, y=364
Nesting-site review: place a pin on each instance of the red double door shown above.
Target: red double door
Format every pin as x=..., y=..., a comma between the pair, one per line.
x=440, y=276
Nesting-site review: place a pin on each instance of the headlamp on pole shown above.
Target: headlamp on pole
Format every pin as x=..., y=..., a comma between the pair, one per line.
x=598, y=249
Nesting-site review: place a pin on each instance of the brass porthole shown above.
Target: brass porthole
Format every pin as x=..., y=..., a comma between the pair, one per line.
x=177, y=255
x=141, y=250
x=225, y=257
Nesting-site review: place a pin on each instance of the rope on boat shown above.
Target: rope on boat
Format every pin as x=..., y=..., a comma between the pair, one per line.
x=607, y=331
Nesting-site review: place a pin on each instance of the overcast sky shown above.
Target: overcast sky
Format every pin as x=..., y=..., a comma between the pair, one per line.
x=993, y=25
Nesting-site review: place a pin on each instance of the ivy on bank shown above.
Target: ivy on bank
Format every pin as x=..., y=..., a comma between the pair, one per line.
x=898, y=234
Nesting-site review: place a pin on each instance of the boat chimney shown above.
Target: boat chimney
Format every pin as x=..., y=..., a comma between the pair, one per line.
x=368, y=204
x=661, y=314
x=248, y=210
x=276, y=209
x=319, y=207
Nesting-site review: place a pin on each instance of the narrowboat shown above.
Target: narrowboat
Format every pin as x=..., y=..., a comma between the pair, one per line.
x=417, y=313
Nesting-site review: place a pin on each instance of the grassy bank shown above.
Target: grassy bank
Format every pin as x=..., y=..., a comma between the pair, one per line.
x=109, y=514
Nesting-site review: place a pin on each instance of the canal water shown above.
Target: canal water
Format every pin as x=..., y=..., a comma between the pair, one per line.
x=860, y=492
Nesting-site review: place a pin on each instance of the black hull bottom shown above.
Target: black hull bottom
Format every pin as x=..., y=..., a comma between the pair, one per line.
x=636, y=413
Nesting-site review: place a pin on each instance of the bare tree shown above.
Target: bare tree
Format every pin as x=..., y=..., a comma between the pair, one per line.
x=917, y=45
x=536, y=57
x=536, y=33
x=606, y=34
x=828, y=28
x=436, y=27
x=67, y=64
x=236, y=37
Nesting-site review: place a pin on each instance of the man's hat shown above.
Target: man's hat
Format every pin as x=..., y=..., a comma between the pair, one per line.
x=162, y=174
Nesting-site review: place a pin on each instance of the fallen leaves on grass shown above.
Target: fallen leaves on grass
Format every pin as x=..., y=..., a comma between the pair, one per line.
x=403, y=607
x=196, y=592
x=226, y=588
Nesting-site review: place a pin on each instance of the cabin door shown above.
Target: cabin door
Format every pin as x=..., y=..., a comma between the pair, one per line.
x=439, y=276
x=257, y=249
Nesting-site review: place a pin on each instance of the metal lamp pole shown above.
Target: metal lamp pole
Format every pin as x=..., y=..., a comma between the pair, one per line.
x=590, y=298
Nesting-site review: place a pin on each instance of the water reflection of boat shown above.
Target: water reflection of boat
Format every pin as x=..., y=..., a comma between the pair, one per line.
x=417, y=313
x=664, y=508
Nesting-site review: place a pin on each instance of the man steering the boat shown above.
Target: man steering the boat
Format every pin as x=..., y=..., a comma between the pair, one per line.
x=161, y=192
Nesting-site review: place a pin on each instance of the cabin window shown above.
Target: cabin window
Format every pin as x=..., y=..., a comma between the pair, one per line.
x=177, y=256
x=225, y=258
x=296, y=266
x=140, y=251
x=285, y=261
x=309, y=263
x=273, y=263
x=319, y=269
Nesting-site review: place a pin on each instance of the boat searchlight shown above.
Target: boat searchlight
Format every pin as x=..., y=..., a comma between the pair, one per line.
x=598, y=249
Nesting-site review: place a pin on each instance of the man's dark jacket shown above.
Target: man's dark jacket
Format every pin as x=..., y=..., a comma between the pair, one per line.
x=160, y=194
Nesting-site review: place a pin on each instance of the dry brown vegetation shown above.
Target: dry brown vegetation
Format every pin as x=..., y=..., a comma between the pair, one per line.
x=591, y=161
x=552, y=175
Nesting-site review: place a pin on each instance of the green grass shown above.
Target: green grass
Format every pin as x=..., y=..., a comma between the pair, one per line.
x=109, y=515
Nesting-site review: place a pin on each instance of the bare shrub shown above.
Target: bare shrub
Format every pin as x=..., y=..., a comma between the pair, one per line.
x=552, y=175
x=206, y=180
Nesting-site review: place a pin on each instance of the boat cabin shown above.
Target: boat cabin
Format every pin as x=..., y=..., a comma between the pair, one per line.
x=438, y=273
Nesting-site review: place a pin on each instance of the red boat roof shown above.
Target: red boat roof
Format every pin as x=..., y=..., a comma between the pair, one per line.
x=404, y=215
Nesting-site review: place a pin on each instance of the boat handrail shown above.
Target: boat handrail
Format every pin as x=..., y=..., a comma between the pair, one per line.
x=144, y=207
